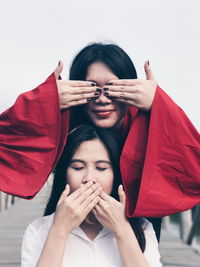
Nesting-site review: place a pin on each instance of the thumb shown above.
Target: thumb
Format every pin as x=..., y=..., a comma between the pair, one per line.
x=64, y=194
x=122, y=196
x=148, y=71
x=58, y=70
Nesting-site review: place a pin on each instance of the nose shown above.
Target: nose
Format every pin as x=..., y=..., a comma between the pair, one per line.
x=89, y=177
x=102, y=99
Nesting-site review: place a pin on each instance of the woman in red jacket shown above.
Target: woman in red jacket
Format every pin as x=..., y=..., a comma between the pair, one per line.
x=160, y=157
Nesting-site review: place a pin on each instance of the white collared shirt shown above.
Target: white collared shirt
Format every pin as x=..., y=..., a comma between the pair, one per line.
x=80, y=251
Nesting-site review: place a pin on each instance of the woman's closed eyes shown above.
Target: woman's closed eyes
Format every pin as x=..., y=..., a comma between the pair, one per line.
x=100, y=165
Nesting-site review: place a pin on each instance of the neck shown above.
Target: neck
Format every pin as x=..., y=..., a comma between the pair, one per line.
x=91, y=226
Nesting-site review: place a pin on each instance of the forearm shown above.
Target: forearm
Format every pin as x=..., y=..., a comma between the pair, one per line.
x=53, y=250
x=129, y=248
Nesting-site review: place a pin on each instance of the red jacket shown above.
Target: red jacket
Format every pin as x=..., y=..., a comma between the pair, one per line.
x=160, y=161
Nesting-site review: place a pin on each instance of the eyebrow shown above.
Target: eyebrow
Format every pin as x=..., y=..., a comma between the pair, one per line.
x=77, y=160
x=98, y=161
x=103, y=161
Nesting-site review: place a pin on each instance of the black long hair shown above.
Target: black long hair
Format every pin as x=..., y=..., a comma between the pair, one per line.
x=111, y=55
x=75, y=138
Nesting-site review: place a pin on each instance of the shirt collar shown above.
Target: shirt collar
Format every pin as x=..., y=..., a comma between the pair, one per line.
x=79, y=232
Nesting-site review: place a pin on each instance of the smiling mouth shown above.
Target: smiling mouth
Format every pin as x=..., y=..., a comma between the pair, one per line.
x=103, y=113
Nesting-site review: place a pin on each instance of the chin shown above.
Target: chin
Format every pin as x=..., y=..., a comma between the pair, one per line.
x=104, y=124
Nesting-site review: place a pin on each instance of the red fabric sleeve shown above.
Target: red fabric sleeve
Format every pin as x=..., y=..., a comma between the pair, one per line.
x=32, y=135
x=160, y=160
x=169, y=147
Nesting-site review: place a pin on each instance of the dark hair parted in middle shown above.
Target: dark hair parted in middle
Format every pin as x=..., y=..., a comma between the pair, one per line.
x=113, y=56
x=75, y=138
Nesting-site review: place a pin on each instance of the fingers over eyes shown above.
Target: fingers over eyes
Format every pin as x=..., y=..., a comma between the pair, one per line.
x=80, y=83
x=121, y=88
x=82, y=96
x=123, y=95
x=124, y=82
x=83, y=90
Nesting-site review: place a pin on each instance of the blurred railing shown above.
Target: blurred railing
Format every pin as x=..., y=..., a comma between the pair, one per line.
x=188, y=224
x=6, y=201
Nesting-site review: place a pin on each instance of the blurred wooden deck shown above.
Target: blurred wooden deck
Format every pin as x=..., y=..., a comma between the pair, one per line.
x=14, y=221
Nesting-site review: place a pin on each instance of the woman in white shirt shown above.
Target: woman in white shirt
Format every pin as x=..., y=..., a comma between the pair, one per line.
x=85, y=222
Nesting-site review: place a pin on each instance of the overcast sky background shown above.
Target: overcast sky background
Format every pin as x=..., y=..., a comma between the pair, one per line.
x=35, y=35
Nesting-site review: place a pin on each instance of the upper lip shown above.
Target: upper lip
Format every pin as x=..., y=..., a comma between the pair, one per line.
x=103, y=110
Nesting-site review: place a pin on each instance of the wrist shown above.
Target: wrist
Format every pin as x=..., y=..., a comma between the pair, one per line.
x=59, y=231
x=123, y=230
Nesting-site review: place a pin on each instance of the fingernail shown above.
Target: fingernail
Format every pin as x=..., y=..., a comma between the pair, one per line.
x=98, y=90
x=105, y=88
x=59, y=63
x=110, y=83
x=106, y=93
x=96, y=93
x=148, y=62
x=89, y=99
x=93, y=84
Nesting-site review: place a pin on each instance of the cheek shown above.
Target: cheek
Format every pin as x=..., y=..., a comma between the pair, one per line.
x=122, y=109
x=87, y=107
x=74, y=180
x=107, y=183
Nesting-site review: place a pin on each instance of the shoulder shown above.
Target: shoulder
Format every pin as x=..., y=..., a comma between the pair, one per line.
x=150, y=237
x=34, y=239
x=146, y=225
x=40, y=225
x=151, y=252
x=149, y=232
x=42, y=221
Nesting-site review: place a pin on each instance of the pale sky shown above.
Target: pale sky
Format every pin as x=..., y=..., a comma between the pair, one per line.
x=35, y=35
